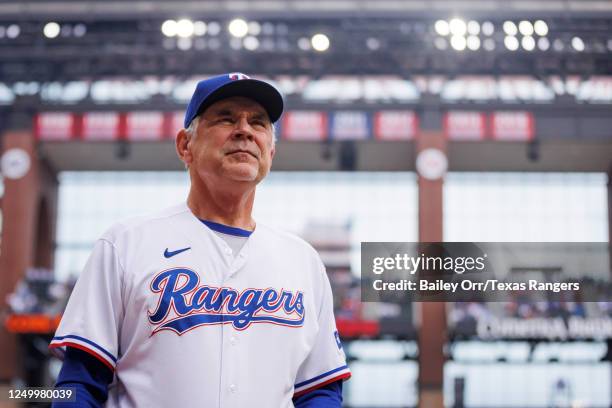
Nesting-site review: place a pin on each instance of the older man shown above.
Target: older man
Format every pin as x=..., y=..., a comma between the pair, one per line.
x=199, y=305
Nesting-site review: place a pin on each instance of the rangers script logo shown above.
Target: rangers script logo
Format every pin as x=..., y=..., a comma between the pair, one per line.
x=193, y=305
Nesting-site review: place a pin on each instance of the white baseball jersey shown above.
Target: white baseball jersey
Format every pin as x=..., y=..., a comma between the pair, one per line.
x=184, y=322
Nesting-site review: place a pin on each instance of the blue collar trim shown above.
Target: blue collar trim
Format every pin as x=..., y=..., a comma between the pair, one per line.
x=226, y=229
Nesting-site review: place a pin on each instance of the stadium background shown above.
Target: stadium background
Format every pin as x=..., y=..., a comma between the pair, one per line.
x=474, y=121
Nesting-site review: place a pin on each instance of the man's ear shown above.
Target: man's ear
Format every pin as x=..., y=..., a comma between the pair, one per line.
x=182, y=146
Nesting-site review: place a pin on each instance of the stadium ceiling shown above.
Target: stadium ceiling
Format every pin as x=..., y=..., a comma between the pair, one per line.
x=68, y=9
x=71, y=40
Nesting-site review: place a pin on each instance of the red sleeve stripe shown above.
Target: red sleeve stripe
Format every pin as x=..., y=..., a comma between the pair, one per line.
x=343, y=376
x=86, y=349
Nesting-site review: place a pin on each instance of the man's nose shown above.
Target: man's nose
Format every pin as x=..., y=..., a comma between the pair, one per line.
x=243, y=129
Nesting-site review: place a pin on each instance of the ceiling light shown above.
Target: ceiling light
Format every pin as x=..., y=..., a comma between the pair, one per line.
x=540, y=27
x=51, y=30
x=442, y=27
x=510, y=28
x=238, y=28
x=457, y=26
x=320, y=42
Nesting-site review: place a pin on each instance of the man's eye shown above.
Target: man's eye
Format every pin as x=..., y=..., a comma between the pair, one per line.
x=226, y=119
x=259, y=123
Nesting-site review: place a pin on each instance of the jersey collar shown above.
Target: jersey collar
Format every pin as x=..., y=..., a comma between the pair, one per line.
x=226, y=229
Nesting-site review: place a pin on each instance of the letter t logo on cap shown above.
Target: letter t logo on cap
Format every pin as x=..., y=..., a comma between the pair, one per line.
x=238, y=75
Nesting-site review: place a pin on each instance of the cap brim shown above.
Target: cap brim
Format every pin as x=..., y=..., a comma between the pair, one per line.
x=261, y=92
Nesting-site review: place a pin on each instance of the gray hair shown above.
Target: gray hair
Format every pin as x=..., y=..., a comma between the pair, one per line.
x=193, y=126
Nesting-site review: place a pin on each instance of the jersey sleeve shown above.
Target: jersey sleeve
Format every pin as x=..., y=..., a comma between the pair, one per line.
x=94, y=312
x=326, y=361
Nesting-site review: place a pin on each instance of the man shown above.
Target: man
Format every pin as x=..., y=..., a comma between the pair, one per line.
x=199, y=305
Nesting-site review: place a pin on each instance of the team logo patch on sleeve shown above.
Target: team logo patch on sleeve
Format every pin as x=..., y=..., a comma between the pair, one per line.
x=183, y=304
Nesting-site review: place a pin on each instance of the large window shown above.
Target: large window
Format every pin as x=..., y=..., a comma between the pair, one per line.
x=525, y=207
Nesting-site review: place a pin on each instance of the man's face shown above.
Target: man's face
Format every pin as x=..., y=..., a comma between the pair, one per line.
x=234, y=141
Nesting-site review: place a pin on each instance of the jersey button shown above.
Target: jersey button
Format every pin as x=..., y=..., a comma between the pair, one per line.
x=228, y=251
x=233, y=388
x=233, y=341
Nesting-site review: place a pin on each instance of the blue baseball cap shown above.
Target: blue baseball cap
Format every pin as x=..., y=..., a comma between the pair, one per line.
x=219, y=87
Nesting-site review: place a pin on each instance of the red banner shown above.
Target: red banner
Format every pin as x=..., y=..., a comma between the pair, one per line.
x=465, y=125
x=101, y=126
x=395, y=125
x=54, y=126
x=304, y=125
x=145, y=125
x=296, y=125
x=518, y=126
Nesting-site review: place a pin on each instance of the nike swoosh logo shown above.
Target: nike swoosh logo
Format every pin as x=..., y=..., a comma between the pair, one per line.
x=170, y=254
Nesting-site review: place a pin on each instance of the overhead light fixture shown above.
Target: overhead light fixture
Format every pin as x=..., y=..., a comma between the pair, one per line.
x=51, y=29
x=254, y=28
x=525, y=27
x=213, y=28
x=510, y=28
x=304, y=44
x=528, y=43
x=251, y=43
x=578, y=44
x=458, y=42
x=169, y=28
x=488, y=44
x=184, y=28
x=442, y=28
x=457, y=27
x=540, y=27
x=473, y=27
x=487, y=28
x=13, y=31
x=511, y=43
x=440, y=43
x=79, y=30
x=543, y=44
x=320, y=42
x=238, y=28
x=184, y=43
x=473, y=42
x=199, y=28
x=373, y=43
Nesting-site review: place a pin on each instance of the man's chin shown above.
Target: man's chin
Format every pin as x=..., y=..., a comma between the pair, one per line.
x=241, y=172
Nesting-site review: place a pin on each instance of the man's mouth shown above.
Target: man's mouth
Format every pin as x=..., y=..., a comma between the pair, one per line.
x=243, y=151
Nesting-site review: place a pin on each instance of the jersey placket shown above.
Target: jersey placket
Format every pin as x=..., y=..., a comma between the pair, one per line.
x=230, y=388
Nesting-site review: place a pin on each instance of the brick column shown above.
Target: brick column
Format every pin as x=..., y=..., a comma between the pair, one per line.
x=29, y=208
x=432, y=332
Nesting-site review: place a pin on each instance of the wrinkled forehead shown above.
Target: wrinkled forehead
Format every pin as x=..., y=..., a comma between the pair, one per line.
x=234, y=105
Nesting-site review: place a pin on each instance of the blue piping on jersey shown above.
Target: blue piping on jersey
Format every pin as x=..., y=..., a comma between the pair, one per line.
x=318, y=377
x=96, y=346
x=226, y=229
